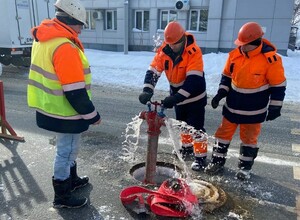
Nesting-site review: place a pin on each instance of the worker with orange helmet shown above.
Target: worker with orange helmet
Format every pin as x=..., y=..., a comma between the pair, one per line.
x=181, y=59
x=254, y=84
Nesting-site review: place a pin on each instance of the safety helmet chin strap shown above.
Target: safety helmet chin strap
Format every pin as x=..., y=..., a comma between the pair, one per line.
x=173, y=198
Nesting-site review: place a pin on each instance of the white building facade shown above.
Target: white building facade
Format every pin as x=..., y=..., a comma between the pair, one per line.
x=122, y=25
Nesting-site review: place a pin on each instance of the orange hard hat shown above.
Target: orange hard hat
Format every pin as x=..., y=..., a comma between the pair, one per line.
x=173, y=32
x=248, y=33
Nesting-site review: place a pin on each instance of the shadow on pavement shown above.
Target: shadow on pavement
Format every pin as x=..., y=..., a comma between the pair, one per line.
x=18, y=189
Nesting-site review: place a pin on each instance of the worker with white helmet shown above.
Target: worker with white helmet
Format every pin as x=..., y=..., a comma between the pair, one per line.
x=71, y=12
x=59, y=90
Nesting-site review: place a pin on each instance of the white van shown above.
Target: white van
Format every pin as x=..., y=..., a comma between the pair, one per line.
x=17, y=17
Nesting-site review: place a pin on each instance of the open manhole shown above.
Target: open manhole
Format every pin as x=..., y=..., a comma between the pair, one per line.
x=210, y=197
x=164, y=171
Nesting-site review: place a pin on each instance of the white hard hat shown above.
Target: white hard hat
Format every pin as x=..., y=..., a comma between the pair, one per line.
x=73, y=8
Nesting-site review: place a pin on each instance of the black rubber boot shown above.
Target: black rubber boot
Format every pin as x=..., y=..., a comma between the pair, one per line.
x=63, y=197
x=250, y=154
x=218, y=159
x=215, y=167
x=199, y=164
x=186, y=152
x=245, y=166
x=243, y=174
x=77, y=182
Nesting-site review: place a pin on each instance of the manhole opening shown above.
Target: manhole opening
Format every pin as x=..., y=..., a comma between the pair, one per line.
x=164, y=171
x=210, y=196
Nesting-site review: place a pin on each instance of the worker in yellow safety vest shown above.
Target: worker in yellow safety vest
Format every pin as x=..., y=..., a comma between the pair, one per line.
x=59, y=89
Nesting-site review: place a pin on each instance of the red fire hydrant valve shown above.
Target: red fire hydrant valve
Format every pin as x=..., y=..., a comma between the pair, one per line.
x=154, y=119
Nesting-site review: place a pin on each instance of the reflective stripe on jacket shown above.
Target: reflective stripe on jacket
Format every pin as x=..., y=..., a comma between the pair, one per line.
x=45, y=90
x=253, y=81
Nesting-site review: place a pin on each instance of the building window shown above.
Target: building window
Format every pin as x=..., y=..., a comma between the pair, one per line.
x=166, y=16
x=198, y=20
x=90, y=20
x=111, y=20
x=142, y=20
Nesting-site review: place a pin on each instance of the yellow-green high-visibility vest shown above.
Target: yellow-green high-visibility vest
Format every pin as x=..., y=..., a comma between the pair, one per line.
x=44, y=91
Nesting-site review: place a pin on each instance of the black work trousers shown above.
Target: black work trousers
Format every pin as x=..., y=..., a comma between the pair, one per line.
x=192, y=113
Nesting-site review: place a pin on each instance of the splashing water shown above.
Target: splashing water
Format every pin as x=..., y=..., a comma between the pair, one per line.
x=205, y=192
x=175, y=127
x=130, y=144
x=172, y=126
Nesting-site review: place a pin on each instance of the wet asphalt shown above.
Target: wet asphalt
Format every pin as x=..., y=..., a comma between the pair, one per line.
x=26, y=167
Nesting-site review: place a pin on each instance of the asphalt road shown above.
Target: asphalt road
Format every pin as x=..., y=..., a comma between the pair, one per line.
x=26, y=192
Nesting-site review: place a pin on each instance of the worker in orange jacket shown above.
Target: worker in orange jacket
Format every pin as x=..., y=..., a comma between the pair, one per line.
x=181, y=60
x=59, y=89
x=254, y=84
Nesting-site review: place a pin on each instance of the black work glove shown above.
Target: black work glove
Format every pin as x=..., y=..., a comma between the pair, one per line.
x=145, y=97
x=170, y=101
x=273, y=112
x=215, y=101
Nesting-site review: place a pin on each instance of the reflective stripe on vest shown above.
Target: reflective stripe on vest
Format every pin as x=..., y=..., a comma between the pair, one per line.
x=45, y=92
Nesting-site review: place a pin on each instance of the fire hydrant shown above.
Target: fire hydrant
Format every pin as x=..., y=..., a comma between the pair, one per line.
x=154, y=120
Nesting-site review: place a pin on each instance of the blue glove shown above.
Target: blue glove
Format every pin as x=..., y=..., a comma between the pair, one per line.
x=145, y=97
x=273, y=112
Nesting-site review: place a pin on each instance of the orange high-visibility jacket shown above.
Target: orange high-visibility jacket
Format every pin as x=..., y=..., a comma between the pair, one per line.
x=60, y=80
x=252, y=81
x=184, y=73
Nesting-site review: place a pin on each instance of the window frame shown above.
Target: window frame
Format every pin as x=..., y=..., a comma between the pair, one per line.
x=113, y=18
x=198, y=27
x=143, y=21
x=90, y=20
x=168, y=18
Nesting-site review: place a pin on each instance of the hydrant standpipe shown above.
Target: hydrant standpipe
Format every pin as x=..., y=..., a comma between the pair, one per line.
x=154, y=120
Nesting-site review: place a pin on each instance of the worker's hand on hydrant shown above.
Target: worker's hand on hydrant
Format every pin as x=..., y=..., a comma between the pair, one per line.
x=145, y=97
x=171, y=101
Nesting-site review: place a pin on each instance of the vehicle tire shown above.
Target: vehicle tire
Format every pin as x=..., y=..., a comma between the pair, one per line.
x=5, y=60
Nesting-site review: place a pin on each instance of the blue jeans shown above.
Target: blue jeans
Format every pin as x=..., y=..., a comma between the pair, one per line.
x=67, y=147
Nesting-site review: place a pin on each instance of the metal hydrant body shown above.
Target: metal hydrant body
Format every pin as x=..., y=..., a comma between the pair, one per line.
x=154, y=122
